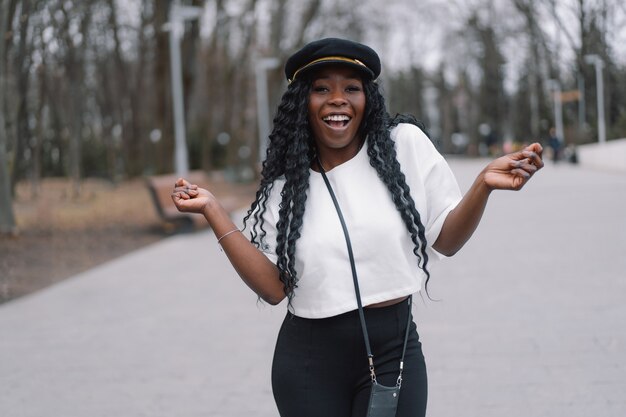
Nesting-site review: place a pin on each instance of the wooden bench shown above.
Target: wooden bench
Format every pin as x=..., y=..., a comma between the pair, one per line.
x=160, y=188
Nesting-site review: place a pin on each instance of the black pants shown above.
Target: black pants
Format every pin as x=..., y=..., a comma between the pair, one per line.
x=320, y=365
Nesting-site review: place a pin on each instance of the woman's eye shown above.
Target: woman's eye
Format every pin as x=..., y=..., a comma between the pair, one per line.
x=353, y=88
x=320, y=89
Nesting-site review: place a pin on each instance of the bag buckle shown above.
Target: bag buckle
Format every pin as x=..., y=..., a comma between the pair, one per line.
x=370, y=359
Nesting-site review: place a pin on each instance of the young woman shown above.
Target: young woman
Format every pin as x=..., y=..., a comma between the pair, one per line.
x=401, y=204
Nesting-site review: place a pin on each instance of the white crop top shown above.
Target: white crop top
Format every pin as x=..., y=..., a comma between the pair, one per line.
x=383, y=251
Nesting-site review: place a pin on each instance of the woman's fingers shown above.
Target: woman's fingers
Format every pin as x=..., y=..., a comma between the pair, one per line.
x=521, y=173
x=189, y=197
x=183, y=194
x=526, y=164
x=181, y=182
x=535, y=147
x=186, y=187
x=513, y=171
x=180, y=195
x=184, y=190
x=533, y=158
x=534, y=152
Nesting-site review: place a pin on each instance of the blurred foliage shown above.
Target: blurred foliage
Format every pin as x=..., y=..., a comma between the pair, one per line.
x=86, y=84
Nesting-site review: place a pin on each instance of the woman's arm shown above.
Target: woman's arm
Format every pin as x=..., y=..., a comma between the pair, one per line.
x=510, y=172
x=258, y=272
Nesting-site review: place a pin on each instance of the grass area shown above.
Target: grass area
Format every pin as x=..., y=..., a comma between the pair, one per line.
x=60, y=235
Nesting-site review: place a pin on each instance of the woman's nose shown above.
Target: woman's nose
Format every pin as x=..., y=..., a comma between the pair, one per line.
x=337, y=98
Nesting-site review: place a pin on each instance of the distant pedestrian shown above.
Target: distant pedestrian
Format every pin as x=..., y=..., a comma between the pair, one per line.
x=333, y=141
x=554, y=142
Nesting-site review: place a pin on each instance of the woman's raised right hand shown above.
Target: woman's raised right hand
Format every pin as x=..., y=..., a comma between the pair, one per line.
x=190, y=198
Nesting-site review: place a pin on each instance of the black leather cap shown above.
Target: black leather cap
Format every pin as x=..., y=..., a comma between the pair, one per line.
x=333, y=51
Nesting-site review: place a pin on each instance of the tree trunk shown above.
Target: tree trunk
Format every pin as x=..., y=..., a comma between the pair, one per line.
x=127, y=101
x=7, y=218
x=39, y=135
x=22, y=69
x=216, y=66
x=444, y=104
x=528, y=9
x=74, y=63
x=138, y=100
x=162, y=82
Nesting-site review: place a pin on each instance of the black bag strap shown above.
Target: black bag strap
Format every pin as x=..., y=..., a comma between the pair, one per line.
x=370, y=356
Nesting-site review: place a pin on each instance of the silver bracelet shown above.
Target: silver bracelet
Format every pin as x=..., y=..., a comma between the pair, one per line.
x=226, y=234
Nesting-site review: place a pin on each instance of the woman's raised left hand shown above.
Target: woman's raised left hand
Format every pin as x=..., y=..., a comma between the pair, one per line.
x=512, y=171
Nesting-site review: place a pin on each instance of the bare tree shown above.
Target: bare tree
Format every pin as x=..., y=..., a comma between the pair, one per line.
x=21, y=63
x=87, y=84
x=163, y=120
x=40, y=117
x=126, y=99
x=445, y=108
x=7, y=218
x=73, y=60
x=528, y=9
x=590, y=35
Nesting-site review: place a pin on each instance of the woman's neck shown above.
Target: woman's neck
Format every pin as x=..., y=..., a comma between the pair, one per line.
x=331, y=158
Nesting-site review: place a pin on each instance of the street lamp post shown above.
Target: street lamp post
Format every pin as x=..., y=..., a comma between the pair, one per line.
x=176, y=26
x=598, y=63
x=262, y=101
x=555, y=86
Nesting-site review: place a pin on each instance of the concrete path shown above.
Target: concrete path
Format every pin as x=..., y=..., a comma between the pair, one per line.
x=531, y=322
x=533, y=317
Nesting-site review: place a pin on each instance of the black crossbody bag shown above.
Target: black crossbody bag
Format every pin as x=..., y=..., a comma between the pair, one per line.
x=383, y=399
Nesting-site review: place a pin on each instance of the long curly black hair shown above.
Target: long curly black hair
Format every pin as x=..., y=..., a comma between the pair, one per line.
x=290, y=152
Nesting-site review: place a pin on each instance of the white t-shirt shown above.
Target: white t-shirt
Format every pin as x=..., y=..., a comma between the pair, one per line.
x=386, y=266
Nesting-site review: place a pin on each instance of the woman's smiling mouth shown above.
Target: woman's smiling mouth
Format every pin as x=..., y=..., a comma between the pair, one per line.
x=337, y=120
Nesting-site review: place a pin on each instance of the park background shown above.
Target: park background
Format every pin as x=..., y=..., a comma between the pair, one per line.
x=86, y=101
x=146, y=320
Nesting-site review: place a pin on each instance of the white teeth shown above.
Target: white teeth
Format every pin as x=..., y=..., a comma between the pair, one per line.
x=336, y=118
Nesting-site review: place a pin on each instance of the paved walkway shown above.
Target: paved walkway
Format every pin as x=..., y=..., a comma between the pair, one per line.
x=531, y=322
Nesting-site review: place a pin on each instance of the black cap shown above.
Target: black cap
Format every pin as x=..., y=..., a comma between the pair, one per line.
x=335, y=51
